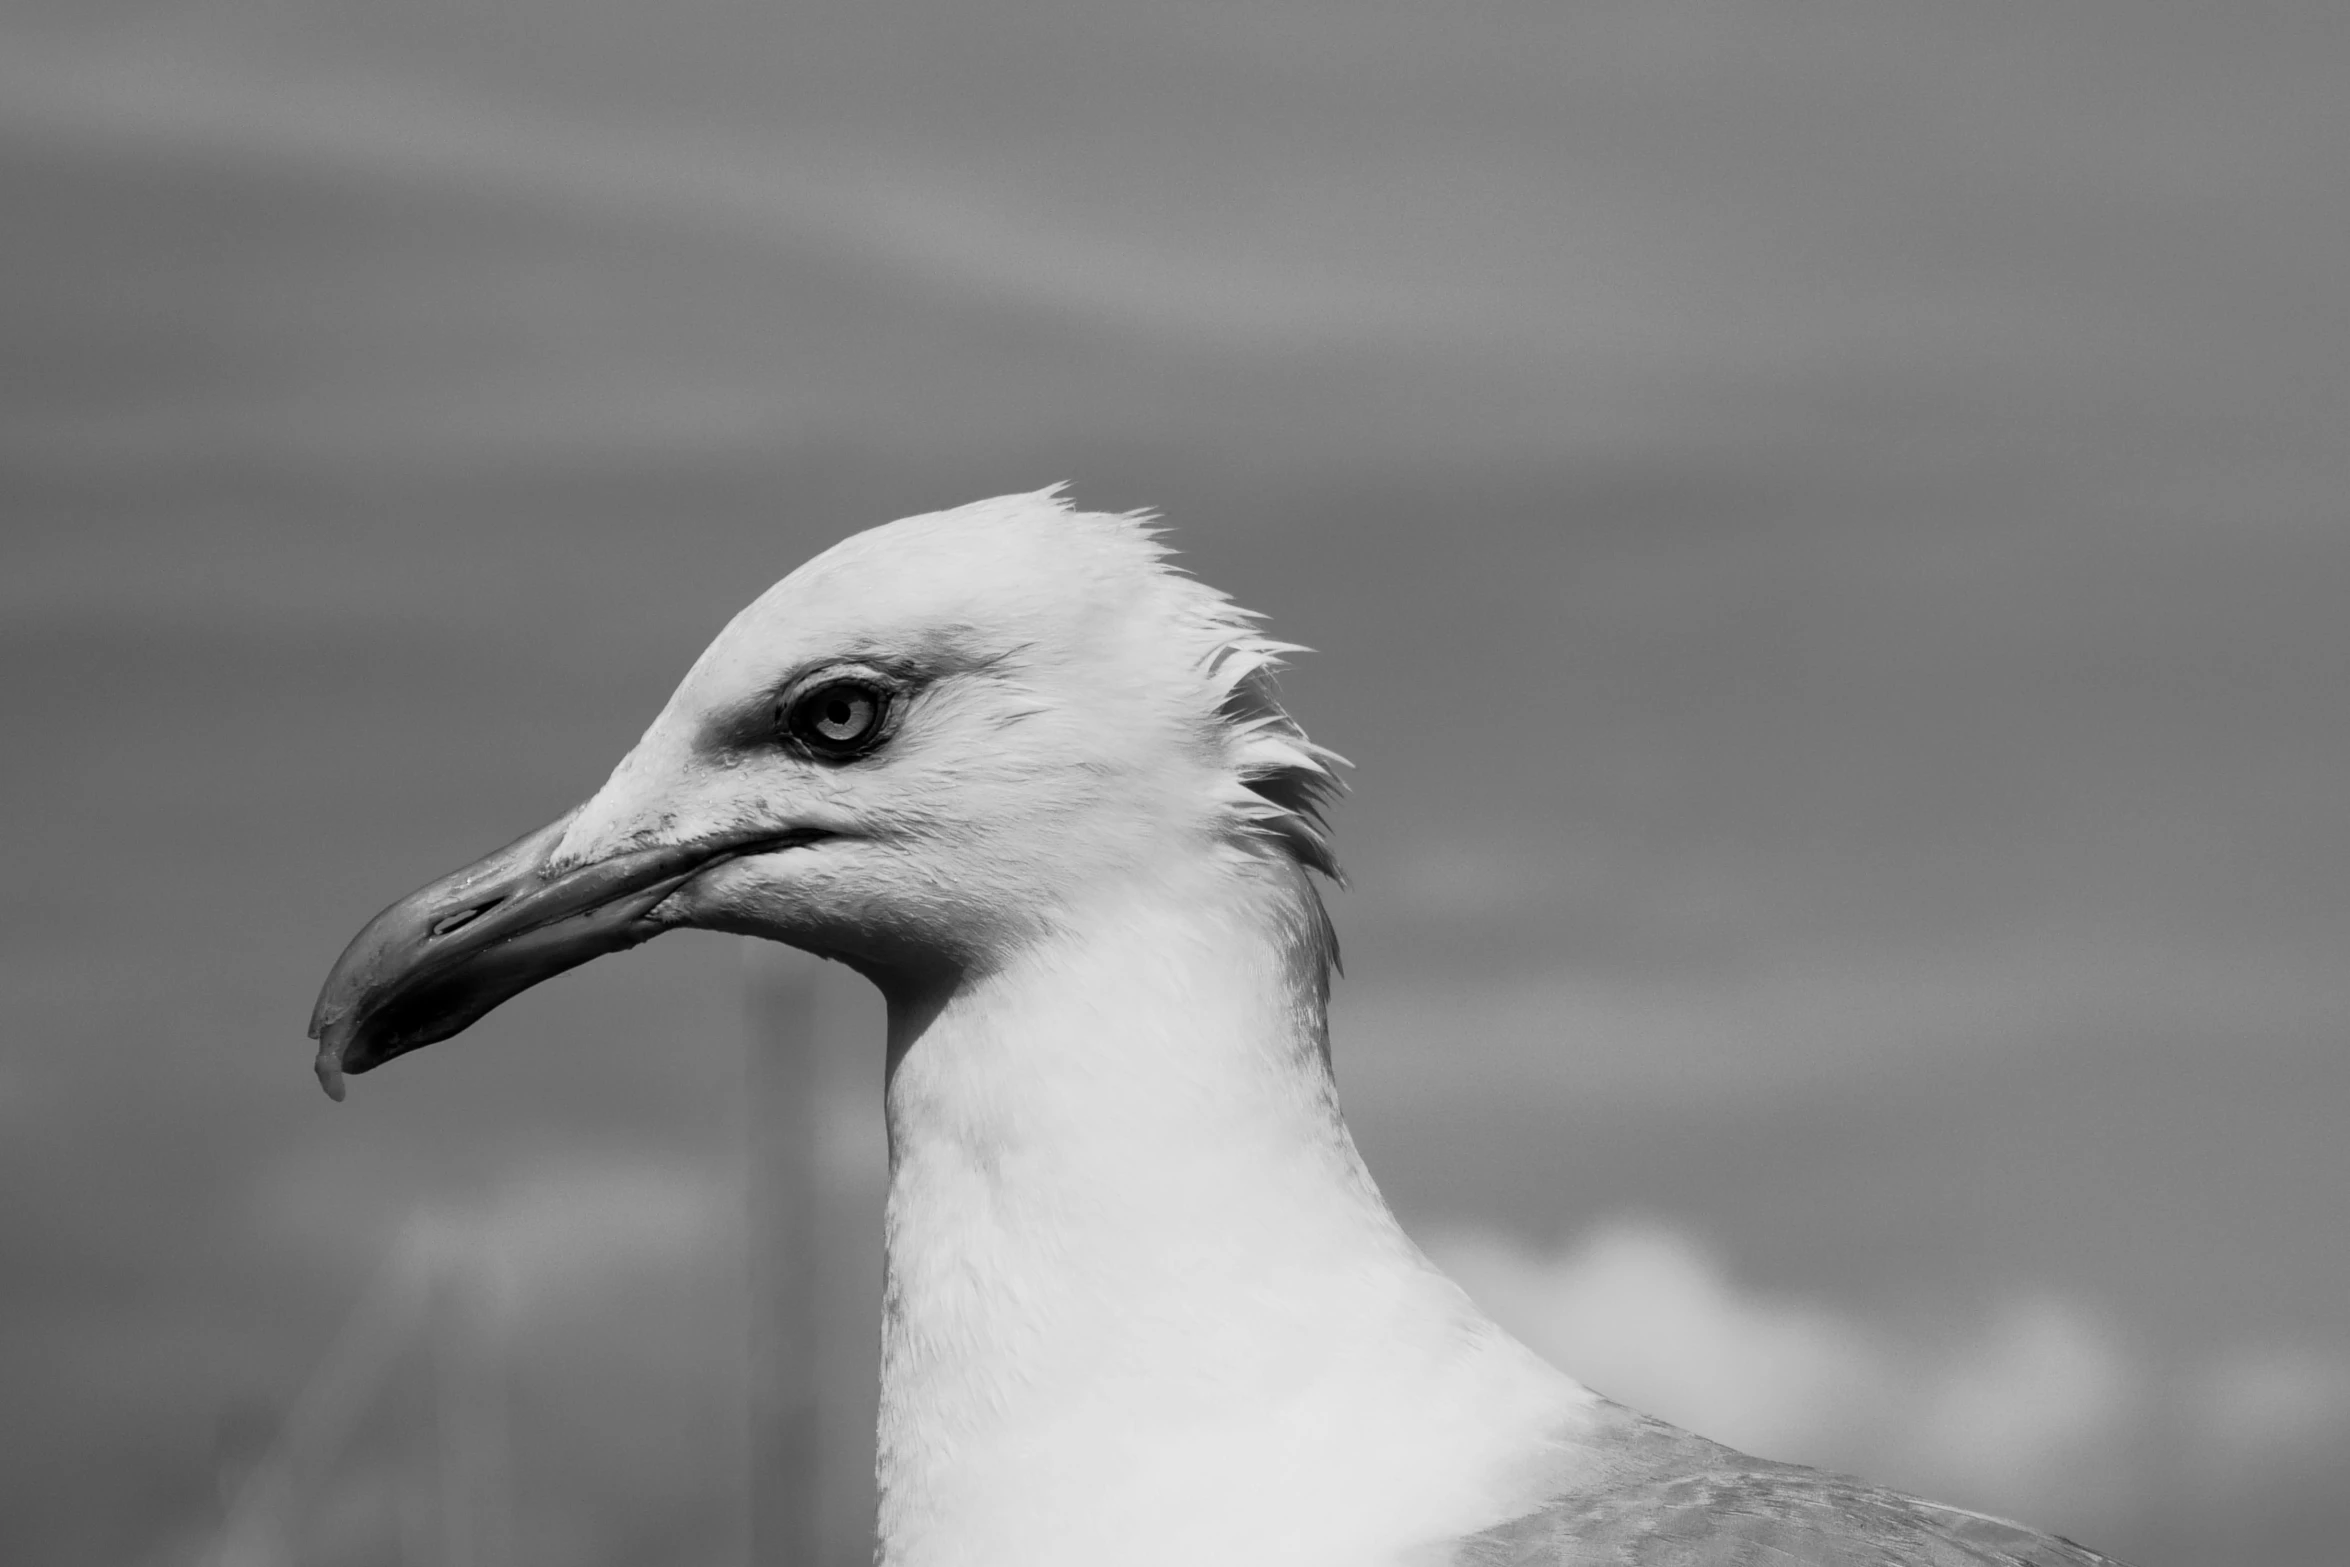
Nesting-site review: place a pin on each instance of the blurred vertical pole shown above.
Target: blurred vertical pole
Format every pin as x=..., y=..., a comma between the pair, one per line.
x=781, y=1167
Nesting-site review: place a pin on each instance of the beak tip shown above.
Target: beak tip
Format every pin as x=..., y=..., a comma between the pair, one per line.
x=328, y=1063
x=329, y=1066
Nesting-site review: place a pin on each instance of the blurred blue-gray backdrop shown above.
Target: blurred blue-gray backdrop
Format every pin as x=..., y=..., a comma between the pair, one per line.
x=1826, y=528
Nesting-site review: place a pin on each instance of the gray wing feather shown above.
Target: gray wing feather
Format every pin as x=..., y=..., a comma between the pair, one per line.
x=1661, y=1497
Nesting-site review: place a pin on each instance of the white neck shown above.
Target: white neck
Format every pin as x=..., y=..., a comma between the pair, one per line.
x=1144, y=1302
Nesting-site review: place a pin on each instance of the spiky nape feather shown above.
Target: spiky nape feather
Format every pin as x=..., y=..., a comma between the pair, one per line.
x=1280, y=782
x=1286, y=780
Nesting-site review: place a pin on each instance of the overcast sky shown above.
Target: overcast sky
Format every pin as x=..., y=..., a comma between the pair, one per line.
x=1824, y=529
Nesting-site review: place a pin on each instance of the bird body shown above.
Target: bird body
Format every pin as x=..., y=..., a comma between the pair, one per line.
x=1144, y=1303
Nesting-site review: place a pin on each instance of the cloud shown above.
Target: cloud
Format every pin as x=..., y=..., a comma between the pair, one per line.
x=1644, y=1315
x=2040, y=1411
x=2046, y=1391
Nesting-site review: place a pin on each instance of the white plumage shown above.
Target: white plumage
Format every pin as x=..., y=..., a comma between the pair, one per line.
x=1145, y=1304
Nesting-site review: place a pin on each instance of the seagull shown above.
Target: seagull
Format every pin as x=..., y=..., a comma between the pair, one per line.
x=1144, y=1303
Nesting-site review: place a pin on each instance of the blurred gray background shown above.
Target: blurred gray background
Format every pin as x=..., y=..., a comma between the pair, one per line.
x=1825, y=529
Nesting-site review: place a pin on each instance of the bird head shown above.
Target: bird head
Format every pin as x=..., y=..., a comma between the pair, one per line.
x=935, y=743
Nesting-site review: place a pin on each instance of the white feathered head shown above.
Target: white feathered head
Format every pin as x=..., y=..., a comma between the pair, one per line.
x=934, y=742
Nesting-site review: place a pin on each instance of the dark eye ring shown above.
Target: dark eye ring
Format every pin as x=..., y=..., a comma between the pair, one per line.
x=839, y=718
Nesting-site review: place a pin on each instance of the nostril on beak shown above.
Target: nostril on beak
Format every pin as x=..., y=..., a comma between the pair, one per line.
x=450, y=924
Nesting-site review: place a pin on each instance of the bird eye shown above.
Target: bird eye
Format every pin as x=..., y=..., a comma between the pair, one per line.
x=839, y=718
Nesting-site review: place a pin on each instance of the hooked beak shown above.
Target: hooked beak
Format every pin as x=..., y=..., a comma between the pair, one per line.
x=443, y=957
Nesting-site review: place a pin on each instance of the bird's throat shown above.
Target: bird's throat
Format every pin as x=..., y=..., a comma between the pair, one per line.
x=1132, y=1251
